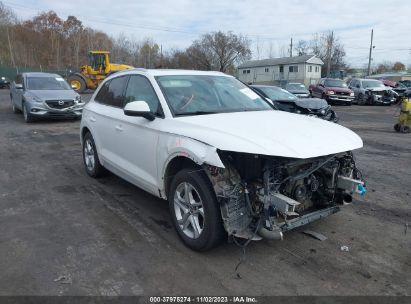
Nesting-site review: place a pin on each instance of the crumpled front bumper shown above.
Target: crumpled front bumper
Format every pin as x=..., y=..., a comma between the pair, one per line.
x=308, y=218
x=42, y=110
x=340, y=98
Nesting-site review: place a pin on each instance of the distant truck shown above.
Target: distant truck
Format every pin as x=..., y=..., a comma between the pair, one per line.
x=334, y=91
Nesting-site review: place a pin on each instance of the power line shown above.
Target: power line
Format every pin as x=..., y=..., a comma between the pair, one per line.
x=111, y=22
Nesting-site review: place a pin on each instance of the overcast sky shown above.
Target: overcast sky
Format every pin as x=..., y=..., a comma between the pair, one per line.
x=269, y=24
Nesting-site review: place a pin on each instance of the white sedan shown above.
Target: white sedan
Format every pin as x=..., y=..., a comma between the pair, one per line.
x=227, y=161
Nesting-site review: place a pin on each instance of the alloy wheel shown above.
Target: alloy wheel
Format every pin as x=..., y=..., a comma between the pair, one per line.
x=89, y=155
x=189, y=210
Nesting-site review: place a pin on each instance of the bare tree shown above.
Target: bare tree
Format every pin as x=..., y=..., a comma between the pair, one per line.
x=320, y=45
x=383, y=67
x=219, y=51
x=7, y=20
x=302, y=47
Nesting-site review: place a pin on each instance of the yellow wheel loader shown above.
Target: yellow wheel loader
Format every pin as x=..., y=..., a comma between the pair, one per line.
x=90, y=76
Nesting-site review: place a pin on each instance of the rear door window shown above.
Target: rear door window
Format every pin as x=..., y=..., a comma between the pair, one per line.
x=112, y=92
x=101, y=95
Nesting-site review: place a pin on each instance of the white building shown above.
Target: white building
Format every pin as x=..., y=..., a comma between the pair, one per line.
x=279, y=71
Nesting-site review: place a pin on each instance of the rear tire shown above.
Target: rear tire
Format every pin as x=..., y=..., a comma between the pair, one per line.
x=193, y=203
x=79, y=82
x=90, y=157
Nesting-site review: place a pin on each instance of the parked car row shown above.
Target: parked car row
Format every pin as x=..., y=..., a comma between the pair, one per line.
x=228, y=162
x=360, y=91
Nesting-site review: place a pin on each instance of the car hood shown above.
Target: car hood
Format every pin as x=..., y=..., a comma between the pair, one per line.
x=378, y=89
x=274, y=133
x=311, y=103
x=52, y=94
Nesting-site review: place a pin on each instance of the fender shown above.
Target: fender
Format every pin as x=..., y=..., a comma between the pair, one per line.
x=170, y=147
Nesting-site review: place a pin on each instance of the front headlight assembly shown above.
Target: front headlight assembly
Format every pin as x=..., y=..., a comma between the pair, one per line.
x=31, y=98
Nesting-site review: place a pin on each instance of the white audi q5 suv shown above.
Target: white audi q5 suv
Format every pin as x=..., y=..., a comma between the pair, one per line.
x=227, y=161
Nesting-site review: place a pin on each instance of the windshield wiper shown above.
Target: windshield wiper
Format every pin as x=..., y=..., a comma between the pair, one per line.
x=195, y=113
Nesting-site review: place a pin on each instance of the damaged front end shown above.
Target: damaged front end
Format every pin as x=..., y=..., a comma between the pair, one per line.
x=264, y=196
x=383, y=97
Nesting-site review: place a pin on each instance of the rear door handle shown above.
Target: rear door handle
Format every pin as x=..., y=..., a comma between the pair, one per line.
x=92, y=119
x=119, y=128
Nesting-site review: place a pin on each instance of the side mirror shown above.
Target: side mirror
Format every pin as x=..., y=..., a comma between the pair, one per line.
x=358, y=86
x=321, y=85
x=18, y=86
x=139, y=108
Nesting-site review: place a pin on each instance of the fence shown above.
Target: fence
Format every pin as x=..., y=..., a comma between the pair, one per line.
x=11, y=73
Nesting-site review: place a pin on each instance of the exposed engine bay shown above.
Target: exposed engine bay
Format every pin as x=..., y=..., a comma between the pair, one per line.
x=264, y=196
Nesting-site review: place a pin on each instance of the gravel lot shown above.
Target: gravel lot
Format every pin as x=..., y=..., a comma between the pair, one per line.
x=63, y=233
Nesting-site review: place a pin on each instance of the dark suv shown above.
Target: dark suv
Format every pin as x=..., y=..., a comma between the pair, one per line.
x=335, y=91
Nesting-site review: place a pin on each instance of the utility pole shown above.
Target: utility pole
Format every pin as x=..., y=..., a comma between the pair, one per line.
x=330, y=47
x=291, y=48
x=369, y=57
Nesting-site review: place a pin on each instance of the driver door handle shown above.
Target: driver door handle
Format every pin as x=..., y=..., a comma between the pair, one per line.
x=119, y=128
x=92, y=119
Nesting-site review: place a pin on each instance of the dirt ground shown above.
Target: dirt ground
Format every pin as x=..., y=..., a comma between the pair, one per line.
x=64, y=233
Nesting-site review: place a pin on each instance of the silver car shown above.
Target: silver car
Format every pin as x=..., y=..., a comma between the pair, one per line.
x=371, y=91
x=44, y=95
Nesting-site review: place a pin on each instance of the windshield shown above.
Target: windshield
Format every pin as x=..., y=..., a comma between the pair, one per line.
x=295, y=86
x=336, y=83
x=372, y=84
x=276, y=94
x=199, y=94
x=47, y=83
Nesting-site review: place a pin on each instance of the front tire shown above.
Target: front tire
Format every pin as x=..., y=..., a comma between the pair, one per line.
x=195, y=211
x=361, y=100
x=77, y=82
x=28, y=118
x=90, y=157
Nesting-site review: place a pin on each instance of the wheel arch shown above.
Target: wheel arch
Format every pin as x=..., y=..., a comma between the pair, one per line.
x=177, y=152
x=175, y=165
x=84, y=131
